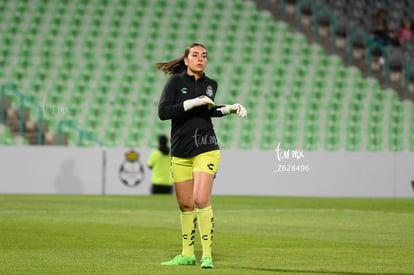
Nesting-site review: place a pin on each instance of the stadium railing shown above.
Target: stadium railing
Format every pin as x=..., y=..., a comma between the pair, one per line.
x=410, y=64
x=370, y=43
x=318, y=10
x=22, y=99
x=80, y=132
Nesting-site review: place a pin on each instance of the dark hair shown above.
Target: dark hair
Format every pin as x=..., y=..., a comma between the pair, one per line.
x=176, y=66
x=163, y=146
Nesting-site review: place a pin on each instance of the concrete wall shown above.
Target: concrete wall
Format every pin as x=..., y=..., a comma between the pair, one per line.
x=336, y=174
x=50, y=170
x=73, y=170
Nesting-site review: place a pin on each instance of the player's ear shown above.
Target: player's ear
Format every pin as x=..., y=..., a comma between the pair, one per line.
x=186, y=61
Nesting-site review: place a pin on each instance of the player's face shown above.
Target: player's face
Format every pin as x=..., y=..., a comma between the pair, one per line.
x=196, y=60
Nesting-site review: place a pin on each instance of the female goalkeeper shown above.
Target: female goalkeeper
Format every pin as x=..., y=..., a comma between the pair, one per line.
x=188, y=100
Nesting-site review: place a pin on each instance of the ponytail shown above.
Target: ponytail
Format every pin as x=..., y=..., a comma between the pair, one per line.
x=176, y=66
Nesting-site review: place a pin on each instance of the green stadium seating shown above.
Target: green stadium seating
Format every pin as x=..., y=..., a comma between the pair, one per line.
x=95, y=58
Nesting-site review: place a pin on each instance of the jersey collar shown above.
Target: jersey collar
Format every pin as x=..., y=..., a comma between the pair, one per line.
x=192, y=76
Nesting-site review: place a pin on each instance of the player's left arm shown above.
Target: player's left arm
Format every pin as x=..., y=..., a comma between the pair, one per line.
x=215, y=111
x=233, y=109
x=222, y=110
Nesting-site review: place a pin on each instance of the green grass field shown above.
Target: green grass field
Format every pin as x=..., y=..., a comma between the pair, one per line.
x=253, y=235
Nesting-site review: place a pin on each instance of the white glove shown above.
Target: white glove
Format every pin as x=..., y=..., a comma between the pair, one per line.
x=198, y=101
x=234, y=109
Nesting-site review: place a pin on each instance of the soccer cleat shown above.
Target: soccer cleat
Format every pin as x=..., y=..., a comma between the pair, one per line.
x=207, y=262
x=181, y=260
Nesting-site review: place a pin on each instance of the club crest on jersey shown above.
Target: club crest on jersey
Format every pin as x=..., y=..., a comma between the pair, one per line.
x=209, y=91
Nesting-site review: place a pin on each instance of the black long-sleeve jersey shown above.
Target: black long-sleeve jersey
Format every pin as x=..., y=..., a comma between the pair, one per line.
x=192, y=132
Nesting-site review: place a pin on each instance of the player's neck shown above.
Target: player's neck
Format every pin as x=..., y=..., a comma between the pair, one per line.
x=196, y=75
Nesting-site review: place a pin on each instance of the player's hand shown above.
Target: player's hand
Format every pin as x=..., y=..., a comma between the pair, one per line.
x=198, y=101
x=234, y=109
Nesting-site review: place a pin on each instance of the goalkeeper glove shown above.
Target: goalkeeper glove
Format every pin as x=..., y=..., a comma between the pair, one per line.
x=198, y=101
x=233, y=109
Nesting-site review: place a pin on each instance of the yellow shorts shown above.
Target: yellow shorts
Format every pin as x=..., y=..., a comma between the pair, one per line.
x=182, y=168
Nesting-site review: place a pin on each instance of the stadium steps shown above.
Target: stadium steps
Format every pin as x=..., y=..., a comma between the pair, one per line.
x=348, y=16
x=10, y=132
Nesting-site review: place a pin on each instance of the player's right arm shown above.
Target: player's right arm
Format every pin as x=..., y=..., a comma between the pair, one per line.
x=168, y=108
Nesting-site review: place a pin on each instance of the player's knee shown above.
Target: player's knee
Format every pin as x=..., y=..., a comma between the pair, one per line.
x=186, y=206
x=201, y=203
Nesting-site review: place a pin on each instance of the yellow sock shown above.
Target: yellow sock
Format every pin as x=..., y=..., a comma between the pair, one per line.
x=188, y=226
x=206, y=228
